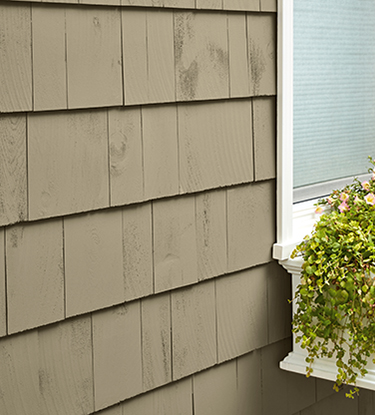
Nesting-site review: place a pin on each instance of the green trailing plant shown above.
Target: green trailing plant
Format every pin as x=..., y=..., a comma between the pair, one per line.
x=335, y=315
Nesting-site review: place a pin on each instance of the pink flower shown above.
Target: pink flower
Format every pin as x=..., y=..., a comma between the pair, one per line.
x=357, y=200
x=366, y=185
x=343, y=207
x=344, y=197
x=330, y=200
x=370, y=199
x=319, y=210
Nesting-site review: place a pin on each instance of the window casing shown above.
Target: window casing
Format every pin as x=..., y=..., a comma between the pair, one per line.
x=294, y=221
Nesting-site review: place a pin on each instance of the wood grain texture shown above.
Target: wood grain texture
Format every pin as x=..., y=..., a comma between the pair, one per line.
x=193, y=329
x=241, y=313
x=238, y=56
x=268, y=5
x=117, y=354
x=160, y=3
x=19, y=380
x=35, y=275
x=175, y=248
x=113, y=410
x=209, y=4
x=15, y=58
x=94, y=57
x=201, y=54
x=126, y=156
x=245, y=5
x=138, y=251
x=215, y=390
x=67, y=163
x=134, y=39
x=3, y=315
x=210, y=225
x=160, y=147
x=49, y=66
x=261, y=31
x=13, y=183
x=264, y=119
x=160, y=51
x=156, y=341
x=169, y=400
x=251, y=225
x=148, y=56
x=249, y=371
x=65, y=372
x=101, y=2
x=215, y=145
x=93, y=262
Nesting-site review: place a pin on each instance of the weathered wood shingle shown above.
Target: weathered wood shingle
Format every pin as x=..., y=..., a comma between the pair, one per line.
x=13, y=165
x=15, y=58
x=35, y=284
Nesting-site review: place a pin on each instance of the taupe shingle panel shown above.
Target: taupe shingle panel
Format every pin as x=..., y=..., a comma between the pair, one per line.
x=160, y=151
x=201, y=56
x=3, y=315
x=49, y=54
x=264, y=120
x=35, y=285
x=241, y=302
x=126, y=155
x=261, y=32
x=209, y=384
x=251, y=224
x=20, y=374
x=238, y=56
x=117, y=357
x=138, y=251
x=175, y=249
x=215, y=144
x=65, y=368
x=156, y=341
x=67, y=163
x=94, y=272
x=15, y=58
x=210, y=222
x=13, y=165
x=93, y=57
x=193, y=329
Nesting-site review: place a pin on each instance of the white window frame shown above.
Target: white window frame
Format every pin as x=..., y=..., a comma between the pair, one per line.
x=293, y=221
x=286, y=240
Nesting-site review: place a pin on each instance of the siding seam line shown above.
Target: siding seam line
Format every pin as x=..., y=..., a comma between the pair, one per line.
x=109, y=163
x=6, y=284
x=32, y=59
x=64, y=264
x=122, y=57
x=66, y=61
x=228, y=46
x=92, y=361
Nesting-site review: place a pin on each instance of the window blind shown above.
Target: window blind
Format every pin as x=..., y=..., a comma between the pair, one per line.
x=334, y=89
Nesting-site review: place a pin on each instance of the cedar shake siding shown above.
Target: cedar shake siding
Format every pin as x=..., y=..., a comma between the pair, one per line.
x=137, y=213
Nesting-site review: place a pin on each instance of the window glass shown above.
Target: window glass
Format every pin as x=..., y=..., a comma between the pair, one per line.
x=333, y=89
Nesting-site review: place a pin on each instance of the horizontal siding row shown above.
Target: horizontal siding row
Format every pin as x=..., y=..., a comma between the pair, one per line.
x=85, y=57
x=75, y=265
x=54, y=164
x=91, y=362
x=233, y=5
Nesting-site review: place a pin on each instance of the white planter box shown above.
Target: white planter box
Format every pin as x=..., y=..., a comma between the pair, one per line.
x=322, y=368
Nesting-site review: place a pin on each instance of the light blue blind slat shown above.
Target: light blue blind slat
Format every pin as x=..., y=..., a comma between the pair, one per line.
x=334, y=89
